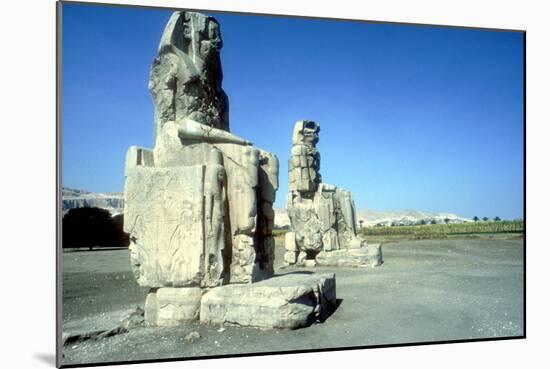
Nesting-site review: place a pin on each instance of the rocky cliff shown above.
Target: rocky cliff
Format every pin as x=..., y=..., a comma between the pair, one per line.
x=73, y=198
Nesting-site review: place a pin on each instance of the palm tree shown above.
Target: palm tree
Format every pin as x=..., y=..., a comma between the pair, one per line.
x=360, y=224
x=433, y=221
x=446, y=220
x=497, y=219
x=476, y=218
x=485, y=219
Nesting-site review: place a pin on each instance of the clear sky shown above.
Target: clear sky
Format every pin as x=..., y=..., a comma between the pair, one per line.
x=412, y=117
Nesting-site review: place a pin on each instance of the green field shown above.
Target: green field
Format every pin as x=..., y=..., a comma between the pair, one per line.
x=445, y=230
x=431, y=231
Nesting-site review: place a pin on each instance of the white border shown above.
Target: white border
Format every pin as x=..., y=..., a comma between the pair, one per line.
x=28, y=185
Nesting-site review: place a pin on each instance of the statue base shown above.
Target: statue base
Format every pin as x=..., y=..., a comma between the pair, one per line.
x=369, y=256
x=289, y=301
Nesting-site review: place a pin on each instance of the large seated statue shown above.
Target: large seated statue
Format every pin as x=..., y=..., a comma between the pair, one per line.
x=322, y=216
x=199, y=205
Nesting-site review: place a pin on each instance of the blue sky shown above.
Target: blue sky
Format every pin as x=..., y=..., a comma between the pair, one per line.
x=412, y=117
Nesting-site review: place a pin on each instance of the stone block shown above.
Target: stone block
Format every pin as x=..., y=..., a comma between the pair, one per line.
x=330, y=240
x=136, y=156
x=151, y=308
x=363, y=257
x=290, y=242
x=288, y=301
x=309, y=263
x=164, y=215
x=172, y=306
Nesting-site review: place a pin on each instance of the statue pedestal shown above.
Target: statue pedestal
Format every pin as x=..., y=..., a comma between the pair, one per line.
x=369, y=256
x=289, y=301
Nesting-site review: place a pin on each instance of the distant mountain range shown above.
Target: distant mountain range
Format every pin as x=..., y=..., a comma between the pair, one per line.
x=405, y=217
x=372, y=218
x=114, y=202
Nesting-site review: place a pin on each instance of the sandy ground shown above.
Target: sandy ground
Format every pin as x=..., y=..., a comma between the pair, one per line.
x=429, y=290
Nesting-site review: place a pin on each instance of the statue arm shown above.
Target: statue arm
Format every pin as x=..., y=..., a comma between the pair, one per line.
x=192, y=130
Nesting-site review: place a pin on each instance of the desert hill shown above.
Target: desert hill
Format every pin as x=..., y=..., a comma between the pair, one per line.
x=114, y=202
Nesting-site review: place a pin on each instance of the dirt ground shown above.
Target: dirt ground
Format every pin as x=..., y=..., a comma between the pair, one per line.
x=426, y=290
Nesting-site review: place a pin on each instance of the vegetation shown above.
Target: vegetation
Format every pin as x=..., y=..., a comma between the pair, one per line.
x=92, y=227
x=435, y=230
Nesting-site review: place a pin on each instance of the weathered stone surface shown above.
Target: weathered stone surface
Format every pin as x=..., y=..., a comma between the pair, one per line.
x=322, y=216
x=288, y=301
x=151, y=307
x=369, y=256
x=186, y=78
x=290, y=257
x=172, y=306
x=165, y=219
x=290, y=242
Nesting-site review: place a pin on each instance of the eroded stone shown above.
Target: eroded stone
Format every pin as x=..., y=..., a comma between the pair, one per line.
x=322, y=216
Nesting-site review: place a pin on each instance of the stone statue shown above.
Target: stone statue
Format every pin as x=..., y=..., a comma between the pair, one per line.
x=214, y=215
x=199, y=205
x=322, y=216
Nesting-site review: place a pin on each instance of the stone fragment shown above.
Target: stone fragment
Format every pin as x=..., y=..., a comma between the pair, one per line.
x=290, y=257
x=151, y=308
x=287, y=301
